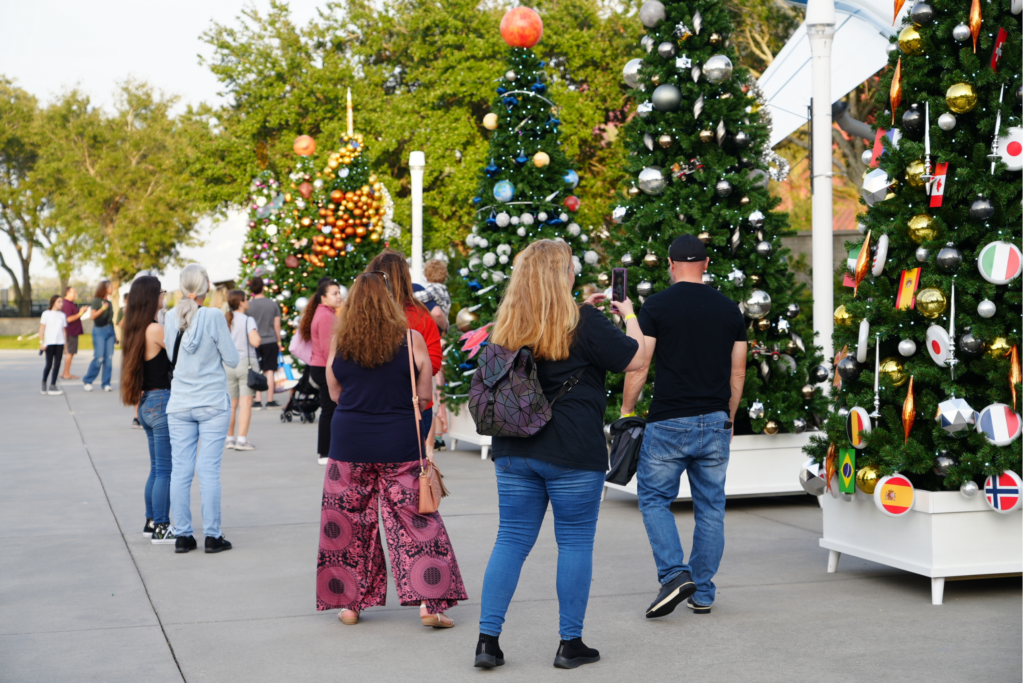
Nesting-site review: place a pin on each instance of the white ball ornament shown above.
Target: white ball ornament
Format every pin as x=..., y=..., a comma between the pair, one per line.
x=986, y=309
x=907, y=347
x=482, y=242
x=590, y=256
x=947, y=121
x=502, y=219
x=584, y=238
x=563, y=217
x=471, y=240
x=261, y=201
x=497, y=276
x=521, y=232
x=490, y=259
x=527, y=219
x=542, y=216
x=484, y=275
x=514, y=220
x=865, y=157
x=326, y=230
x=503, y=259
x=301, y=303
x=503, y=249
x=577, y=267
x=464, y=272
x=574, y=229
x=271, y=230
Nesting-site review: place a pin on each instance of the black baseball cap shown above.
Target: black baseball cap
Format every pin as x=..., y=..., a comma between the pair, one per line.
x=687, y=248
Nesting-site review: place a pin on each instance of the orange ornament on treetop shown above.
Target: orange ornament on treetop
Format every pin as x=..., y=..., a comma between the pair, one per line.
x=522, y=27
x=304, y=146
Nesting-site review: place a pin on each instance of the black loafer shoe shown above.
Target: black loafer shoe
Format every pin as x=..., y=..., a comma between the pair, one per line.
x=185, y=543
x=488, y=654
x=671, y=594
x=698, y=609
x=215, y=545
x=573, y=653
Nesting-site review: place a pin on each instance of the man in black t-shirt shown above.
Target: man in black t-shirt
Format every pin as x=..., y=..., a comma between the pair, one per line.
x=698, y=339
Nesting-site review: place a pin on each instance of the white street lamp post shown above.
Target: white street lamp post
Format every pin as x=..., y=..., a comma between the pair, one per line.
x=417, y=162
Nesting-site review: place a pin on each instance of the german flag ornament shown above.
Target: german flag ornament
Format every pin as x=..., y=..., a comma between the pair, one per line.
x=894, y=495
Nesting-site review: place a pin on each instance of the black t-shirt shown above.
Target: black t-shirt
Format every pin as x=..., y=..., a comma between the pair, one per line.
x=696, y=327
x=574, y=437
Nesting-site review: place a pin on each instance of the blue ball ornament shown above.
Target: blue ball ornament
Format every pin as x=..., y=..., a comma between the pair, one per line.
x=504, y=191
x=572, y=178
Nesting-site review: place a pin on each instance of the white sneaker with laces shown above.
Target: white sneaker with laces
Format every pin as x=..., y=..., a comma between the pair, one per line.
x=229, y=442
x=87, y=387
x=244, y=446
x=107, y=388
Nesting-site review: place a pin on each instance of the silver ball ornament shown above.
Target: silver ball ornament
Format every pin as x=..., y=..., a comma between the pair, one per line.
x=865, y=156
x=764, y=248
x=843, y=412
x=756, y=219
x=848, y=368
x=961, y=32
x=921, y=254
x=718, y=69
x=723, y=188
x=948, y=259
x=969, y=344
x=651, y=180
x=627, y=259
x=645, y=288
x=792, y=311
x=652, y=13
x=947, y=121
x=907, y=348
x=510, y=75
x=666, y=50
x=707, y=278
x=631, y=72
x=922, y=13
x=986, y=309
x=758, y=304
x=647, y=43
x=819, y=374
x=742, y=139
x=969, y=489
x=799, y=425
x=666, y=97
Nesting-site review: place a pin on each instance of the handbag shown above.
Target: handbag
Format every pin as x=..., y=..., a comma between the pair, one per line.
x=628, y=433
x=256, y=381
x=432, y=488
x=300, y=348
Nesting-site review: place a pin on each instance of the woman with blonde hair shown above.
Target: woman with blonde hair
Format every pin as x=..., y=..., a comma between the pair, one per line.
x=565, y=462
x=376, y=467
x=197, y=412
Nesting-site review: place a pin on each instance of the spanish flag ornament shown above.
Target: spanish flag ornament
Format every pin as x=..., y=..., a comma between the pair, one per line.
x=894, y=495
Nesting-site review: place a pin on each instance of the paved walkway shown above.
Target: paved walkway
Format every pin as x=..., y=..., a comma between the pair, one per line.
x=83, y=596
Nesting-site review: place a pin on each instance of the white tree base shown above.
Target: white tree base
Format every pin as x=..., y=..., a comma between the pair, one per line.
x=944, y=536
x=759, y=465
x=462, y=428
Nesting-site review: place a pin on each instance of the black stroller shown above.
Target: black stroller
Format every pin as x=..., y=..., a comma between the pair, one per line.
x=304, y=401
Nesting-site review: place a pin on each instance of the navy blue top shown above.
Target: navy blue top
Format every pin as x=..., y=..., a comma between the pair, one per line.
x=374, y=421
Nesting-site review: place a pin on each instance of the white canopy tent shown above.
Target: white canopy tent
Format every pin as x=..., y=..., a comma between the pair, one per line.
x=862, y=33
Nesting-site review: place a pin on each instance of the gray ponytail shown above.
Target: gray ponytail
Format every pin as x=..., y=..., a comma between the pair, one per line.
x=194, y=280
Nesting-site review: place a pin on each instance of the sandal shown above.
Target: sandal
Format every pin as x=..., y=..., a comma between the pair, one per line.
x=440, y=620
x=348, y=617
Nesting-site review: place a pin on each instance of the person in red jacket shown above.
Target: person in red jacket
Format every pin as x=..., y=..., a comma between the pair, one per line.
x=317, y=327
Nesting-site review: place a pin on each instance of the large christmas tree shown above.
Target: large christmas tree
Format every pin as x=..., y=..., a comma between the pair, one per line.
x=525, y=194
x=699, y=163
x=938, y=303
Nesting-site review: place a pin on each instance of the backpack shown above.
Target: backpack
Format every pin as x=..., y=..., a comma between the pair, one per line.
x=505, y=396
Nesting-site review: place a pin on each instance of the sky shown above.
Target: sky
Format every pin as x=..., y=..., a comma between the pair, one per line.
x=47, y=47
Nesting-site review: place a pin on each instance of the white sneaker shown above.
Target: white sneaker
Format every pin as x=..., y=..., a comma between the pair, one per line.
x=245, y=446
x=87, y=387
x=107, y=388
x=229, y=442
x=54, y=390
x=321, y=461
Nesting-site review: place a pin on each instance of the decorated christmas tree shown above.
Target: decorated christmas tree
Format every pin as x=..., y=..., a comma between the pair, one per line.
x=928, y=367
x=260, y=252
x=699, y=163
x=525, y=194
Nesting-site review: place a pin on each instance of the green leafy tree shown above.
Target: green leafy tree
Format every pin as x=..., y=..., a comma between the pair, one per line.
x=698, y=164
x=977, y=224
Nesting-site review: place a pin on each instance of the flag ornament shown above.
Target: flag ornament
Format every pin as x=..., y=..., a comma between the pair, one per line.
x=1003, y=492
x=1010, y=148
x=858, y=425
x=881, y=254
x=999, y=262
x=999, y=424
x=894, y=495
x=863, y=338
x=907, y=293
x=938, y=184
x=847, y=470
x=937, y=342
x=997, y=48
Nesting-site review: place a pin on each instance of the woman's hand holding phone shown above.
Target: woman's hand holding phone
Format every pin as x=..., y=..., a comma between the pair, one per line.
x=623, y=308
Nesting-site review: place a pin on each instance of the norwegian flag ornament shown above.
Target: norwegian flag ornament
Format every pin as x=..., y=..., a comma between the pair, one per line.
x=1003, y=492
x=999, y=423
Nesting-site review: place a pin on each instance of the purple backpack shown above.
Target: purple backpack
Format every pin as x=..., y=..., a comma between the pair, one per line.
x=505, y=396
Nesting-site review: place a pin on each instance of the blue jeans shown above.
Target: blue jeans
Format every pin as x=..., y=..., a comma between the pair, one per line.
x=197, y=444
x=153, y=416
x=525, y=486
x=698, y=446
x=102, y=354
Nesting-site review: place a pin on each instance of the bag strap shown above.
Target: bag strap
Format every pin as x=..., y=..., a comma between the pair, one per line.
x=569, y=384
x=174, y=355
x=415, y=400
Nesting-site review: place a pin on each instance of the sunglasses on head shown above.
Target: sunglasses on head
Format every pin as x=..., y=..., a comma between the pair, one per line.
x=387, y=282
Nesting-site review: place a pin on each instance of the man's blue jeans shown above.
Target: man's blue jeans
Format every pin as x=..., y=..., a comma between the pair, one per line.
x=525, y=486
x=197, y=444
x=102, y=354
x=153, y=416
x=698, y=446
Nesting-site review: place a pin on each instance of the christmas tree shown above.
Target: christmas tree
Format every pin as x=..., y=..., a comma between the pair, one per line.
x=525, y=194
x=260, y=252
x=928, y=367
x=699, y=163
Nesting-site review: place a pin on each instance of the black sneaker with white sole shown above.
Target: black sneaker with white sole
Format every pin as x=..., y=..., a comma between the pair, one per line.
x=136, y=424
x=216, y=545
x=147, y=530
x=183, y=544
x=43, y=390
x=272, y=405
x=671, y=594
x=54, y=390
x=488, y=652
x=573, y=653
x=698, y=609
x=162, y=535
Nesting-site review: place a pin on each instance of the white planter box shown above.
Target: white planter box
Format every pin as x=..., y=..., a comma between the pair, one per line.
x=945, y=535
x=462, y=428
x=759, y=465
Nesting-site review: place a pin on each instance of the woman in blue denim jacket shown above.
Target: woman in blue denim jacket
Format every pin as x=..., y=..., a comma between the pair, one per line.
x=198, y=411
x=145, y=383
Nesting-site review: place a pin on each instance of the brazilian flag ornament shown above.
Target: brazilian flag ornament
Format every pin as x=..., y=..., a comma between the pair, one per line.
x=847, y=470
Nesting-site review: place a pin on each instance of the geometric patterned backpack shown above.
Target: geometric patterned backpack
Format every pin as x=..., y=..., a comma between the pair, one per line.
x=505, y=396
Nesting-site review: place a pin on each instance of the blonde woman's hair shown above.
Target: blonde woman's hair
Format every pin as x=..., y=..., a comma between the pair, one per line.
x=194, y=280
x=538, y=309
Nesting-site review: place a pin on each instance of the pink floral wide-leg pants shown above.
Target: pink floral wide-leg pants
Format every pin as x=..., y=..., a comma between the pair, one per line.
x=351, y=572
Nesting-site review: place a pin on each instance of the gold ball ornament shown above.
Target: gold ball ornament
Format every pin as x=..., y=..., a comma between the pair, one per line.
x=541, y=159
x=920, y=228
x=665, y=141
x=892, y=368
x=465, y=319
x=633, y=191
x=603, y=280
x=910, y=41
x=707, y=135
x=753, y=279
x=704, y=237
x=807, y=391
x=744, y=200
x=841, y=317
x=867, y=479
x=715, y=38
x=764, y=324
x=650, y=260
x=961, y=98
x=998, y=347
x=491, y=121
x=771, y=427
x=931, y=302
x=915, y=169
x=656, y=79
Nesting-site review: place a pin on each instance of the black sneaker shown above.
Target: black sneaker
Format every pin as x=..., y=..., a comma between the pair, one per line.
x=147, y=530
x=272, y=404
x=698, y=609
x=162, y=535
x=671, y=594
x=54, y=390
x=43, y=391
x=488, y=654
x=215, y=545
x=182, y=544
x=572, y=653
x=439, y=444
x=136, y=424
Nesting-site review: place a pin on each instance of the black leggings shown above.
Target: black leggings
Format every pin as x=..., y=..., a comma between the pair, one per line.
x=327, y=408
x=54, y=355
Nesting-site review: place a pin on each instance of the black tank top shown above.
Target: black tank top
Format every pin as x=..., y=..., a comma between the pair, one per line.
x=155, y=370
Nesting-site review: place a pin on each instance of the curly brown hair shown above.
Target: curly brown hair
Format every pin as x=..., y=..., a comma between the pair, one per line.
x=393, y=263
x=373, y=326
x=435, y=270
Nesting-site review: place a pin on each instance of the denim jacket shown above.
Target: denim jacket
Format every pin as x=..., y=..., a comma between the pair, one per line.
x=199, y=377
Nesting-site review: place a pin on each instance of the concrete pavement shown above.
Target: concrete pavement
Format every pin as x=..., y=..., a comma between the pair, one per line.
x=84, y=596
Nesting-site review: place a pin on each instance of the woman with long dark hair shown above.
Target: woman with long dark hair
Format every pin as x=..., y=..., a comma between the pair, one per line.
x=376, y=467
x=317, y=327
x=103, y=338
x=246, y=338
x=145, y=383
x=565, y=462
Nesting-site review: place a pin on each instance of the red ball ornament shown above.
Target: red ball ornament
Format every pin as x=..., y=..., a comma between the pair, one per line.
x=522, y=27
x=306, y=190
x=291, y=261
x=304, y=146
x=572, y=203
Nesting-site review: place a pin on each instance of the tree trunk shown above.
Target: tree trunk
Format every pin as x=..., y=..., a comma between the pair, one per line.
x=25, y=303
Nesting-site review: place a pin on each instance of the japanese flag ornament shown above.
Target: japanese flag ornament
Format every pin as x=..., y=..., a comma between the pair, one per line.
x=1011, y=148
x=999, y=262
x=894, y=495
x=937, y=342
x=1003, y=492
x=999, y=423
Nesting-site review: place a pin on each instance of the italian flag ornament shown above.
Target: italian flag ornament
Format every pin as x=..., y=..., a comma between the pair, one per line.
x=999, y=262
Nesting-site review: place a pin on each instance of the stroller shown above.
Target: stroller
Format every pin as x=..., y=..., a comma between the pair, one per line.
x=304, y=401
